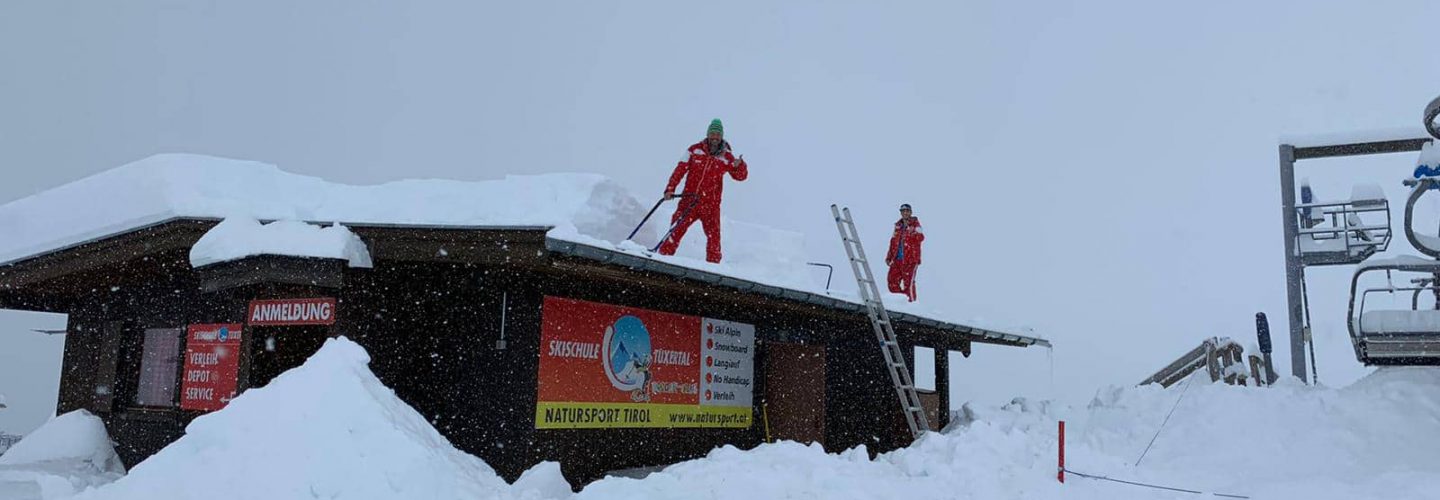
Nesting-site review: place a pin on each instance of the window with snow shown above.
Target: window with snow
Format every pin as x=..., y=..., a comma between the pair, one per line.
x=924, y=368
x=158, y=366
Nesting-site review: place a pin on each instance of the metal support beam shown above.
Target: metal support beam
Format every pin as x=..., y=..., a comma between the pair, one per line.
x=942, y=386
x=1293, y=271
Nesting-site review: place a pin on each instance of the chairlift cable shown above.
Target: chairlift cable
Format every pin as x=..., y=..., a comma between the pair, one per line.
x=1167, y=419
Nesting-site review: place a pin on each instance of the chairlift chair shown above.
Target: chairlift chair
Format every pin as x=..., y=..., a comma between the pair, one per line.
x=1407, y=336
x=1343, y=232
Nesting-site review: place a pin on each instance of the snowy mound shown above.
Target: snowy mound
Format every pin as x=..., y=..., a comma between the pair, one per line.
x=328, y=429
x=181, y=185
x=980, y=463
x=67, y=454
x=1379, y=438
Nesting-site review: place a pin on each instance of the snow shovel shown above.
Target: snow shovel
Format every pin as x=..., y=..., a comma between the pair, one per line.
x=673, y=225
x=647, y=216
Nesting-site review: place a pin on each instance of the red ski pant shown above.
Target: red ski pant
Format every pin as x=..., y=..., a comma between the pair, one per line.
x=708, y=215
x=902, y=279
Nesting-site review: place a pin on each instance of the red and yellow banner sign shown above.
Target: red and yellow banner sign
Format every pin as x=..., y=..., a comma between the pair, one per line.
x=212, y=366
x=605, y=366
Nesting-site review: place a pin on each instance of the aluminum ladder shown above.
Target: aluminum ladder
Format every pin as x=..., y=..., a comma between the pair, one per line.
x=884, y=332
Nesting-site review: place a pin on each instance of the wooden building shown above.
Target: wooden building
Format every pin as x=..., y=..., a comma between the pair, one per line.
x=518, y=347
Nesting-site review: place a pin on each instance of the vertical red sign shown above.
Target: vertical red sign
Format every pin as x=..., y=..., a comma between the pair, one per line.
x=212, y=366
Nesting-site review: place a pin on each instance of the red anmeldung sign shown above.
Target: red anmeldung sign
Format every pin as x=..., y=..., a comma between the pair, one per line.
x=288, y=312
x=212, y=365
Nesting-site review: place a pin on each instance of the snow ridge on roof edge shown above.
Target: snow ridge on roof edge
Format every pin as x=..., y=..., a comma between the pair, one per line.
x=617, y=257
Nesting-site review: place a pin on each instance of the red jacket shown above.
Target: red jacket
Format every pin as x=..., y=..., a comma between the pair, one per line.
x=905, y=242
x=705, y=174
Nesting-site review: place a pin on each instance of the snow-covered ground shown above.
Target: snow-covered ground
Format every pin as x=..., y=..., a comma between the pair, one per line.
x=329, y=429
x=67, y=454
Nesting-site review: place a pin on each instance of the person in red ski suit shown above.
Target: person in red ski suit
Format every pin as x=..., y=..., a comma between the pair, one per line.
x=904, y=254
x=704, y=168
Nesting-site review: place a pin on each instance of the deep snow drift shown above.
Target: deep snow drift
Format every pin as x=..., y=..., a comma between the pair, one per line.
x=65, y=455
x=1379, y=438
x=327, y=429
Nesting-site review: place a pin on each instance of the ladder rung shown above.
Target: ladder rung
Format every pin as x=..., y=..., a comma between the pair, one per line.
x=869, y=292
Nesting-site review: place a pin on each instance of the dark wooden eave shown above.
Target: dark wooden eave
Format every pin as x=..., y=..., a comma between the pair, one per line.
x=272, y=269
x=620, y=265
x=50, y=280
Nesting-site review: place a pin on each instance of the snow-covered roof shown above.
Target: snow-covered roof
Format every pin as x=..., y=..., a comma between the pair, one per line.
x=900, y=310
x=585, y=211
x=171, y=186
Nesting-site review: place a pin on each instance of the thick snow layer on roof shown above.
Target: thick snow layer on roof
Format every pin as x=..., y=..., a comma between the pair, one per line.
x=67, y=454
x=239, y=237
x=583, y=208
x=777, y=262
x=1355, y=137
x=327, y=429
x=181, y=185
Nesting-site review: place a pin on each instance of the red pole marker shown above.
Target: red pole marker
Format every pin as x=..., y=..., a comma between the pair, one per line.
x=1060, y=474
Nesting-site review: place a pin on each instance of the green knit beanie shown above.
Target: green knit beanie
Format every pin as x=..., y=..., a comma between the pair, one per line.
x=715, y=126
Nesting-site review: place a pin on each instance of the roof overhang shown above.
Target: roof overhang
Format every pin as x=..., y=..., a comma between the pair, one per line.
x=509, y=245
x=636, y=262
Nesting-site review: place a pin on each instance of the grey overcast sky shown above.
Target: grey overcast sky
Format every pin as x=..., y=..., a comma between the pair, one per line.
x=1102, y=171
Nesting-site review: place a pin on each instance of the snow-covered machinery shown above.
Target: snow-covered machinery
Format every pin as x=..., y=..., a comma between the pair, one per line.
x=1351, y=232
x=1222, y=359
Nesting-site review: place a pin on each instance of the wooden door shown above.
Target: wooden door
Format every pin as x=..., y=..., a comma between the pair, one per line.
x=795, y=392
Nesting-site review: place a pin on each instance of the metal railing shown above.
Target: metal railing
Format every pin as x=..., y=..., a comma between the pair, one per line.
x=1337, y=232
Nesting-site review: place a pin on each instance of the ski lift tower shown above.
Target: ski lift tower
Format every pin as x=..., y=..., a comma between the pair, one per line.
x=1334, y=233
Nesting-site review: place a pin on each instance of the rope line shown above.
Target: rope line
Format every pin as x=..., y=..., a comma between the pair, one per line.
x=1167, y=420
x=1146, y=485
